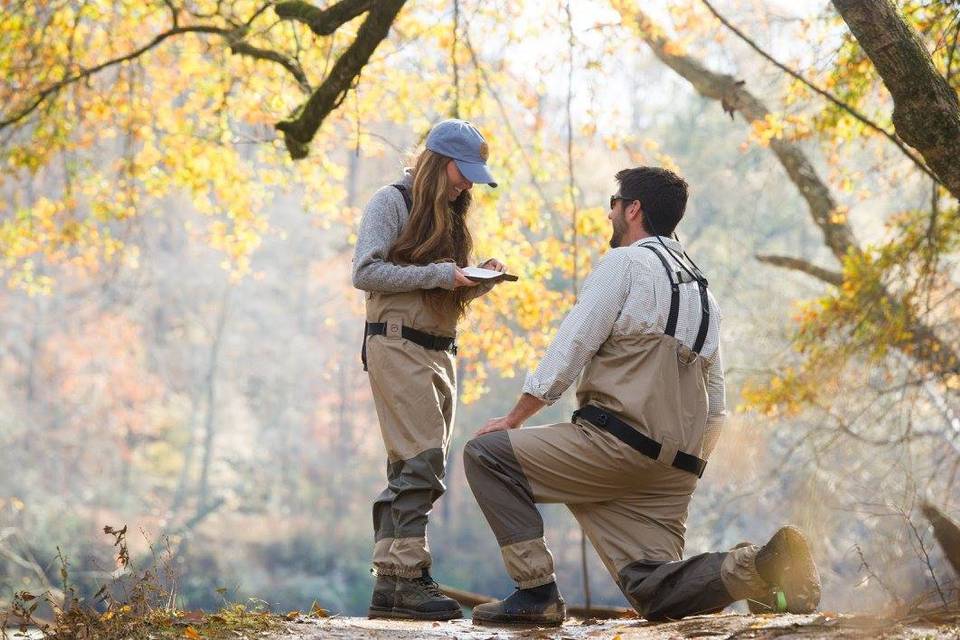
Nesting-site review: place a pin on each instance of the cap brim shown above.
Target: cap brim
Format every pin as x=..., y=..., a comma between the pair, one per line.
x=476, y=172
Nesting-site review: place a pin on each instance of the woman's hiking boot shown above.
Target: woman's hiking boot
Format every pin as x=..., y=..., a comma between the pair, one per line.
x=412, y=599
x=384, y=596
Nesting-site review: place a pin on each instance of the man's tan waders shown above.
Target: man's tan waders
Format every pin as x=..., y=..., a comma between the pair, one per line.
x=645, y=392
x=414, y=390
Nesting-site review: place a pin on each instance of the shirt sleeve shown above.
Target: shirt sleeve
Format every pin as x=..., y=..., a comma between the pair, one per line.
x=717, y=410
x=379, y=229
x=585, y=328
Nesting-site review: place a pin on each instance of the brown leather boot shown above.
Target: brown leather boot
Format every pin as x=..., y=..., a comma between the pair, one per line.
x=384, y=596
x=541, y=606
x=786, y=564
x=421, y=599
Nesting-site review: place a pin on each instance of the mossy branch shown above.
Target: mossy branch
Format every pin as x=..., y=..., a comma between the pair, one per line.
x=322, y=22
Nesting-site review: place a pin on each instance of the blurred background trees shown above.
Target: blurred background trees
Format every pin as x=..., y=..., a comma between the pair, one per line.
x=179, y=338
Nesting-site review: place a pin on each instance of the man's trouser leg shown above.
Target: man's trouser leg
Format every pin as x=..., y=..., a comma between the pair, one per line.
x=632, y=508
x=664, y=589
x=415, y=396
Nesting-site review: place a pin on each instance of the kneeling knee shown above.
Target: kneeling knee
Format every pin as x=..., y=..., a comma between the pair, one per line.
x=472, y=452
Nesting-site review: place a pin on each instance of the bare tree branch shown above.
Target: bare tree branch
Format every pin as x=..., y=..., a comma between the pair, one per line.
x=508, y=123
x=322, y=22
x=953, y=50
x=288, y=63
x=737, y=99
x=798, y=264
x=299, y=129
x=174, y=13
x=922, y=344
x=892, y=137
x=926, y=110
x=234, y=37
x=46, y=93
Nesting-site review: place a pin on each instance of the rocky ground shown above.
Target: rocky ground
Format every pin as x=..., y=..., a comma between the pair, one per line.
x=719, y=627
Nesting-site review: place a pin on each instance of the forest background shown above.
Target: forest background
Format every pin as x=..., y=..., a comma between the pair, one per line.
x=179, y=338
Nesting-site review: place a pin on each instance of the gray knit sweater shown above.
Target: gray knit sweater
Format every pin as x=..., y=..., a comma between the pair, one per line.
x=382, y=221
x=380, y=226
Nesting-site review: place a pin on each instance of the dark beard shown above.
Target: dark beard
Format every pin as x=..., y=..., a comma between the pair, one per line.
x=619, y=230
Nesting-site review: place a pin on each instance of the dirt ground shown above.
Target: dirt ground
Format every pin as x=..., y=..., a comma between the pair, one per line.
x=718, y=627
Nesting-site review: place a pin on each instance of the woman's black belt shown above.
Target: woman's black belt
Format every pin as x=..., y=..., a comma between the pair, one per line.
x=644, y=444
x=425, y=340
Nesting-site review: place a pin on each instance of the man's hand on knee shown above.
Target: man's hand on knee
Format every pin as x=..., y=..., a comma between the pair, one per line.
x=498, y=424
x=526, y=406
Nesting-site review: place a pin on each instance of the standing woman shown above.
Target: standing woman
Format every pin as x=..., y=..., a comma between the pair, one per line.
x=412, y=243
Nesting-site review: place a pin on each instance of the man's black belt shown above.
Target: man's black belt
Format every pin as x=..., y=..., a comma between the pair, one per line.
x=425, y=340
x=644, y=444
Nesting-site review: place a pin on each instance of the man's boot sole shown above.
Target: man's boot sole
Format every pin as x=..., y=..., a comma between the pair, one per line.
x=520, y=620
x=379, y=612
x=410, y=614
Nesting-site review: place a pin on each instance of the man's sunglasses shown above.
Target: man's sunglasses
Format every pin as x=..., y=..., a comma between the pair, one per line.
x=614, y=198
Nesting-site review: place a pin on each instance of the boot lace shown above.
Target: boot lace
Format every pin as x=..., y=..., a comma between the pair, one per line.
x=430, y=586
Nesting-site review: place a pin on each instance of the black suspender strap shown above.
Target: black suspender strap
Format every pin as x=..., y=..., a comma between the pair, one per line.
x=675, y=299
x=363, y=349
x=407, y=198
x=408, y=201
x=671, y=328
x=704, y=315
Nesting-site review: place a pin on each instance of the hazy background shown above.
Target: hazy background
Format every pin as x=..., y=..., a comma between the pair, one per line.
x=230, y=412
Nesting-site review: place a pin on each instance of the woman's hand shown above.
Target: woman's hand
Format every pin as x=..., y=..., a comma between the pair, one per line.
x=460, y=280
x=494, y=264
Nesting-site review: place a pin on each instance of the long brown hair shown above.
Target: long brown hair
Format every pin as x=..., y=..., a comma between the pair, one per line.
x=436, y=230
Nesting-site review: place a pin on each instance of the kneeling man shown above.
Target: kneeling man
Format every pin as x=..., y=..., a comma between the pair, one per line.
x=645, y=334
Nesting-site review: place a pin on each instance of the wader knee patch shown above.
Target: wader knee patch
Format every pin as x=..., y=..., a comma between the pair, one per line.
x=416, y=488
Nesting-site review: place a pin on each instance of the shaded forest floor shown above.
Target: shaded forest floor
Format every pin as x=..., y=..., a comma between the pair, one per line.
x=725, y=626
x=939, y=625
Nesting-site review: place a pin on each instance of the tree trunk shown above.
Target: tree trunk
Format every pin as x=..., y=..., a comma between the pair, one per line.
x=947, y=533
x=209, y=429
x=926, y=111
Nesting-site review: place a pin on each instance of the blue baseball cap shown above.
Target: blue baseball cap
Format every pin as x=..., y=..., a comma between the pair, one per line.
x=460, y=140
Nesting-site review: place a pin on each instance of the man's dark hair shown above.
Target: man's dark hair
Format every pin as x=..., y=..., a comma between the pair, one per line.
x=662, y=195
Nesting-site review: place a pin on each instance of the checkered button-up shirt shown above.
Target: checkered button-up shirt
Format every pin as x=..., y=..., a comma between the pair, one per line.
x=629, y=293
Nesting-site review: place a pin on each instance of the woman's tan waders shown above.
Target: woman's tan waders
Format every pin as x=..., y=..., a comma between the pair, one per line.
x=414, y=390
